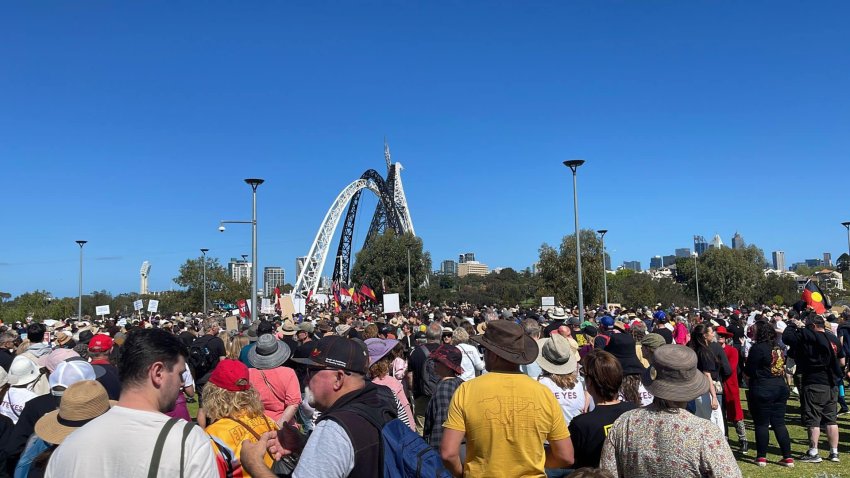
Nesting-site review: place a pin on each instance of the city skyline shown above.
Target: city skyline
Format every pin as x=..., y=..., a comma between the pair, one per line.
x=132, y=127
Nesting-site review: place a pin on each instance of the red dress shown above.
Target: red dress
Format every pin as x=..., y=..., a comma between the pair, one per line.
x=731, y=393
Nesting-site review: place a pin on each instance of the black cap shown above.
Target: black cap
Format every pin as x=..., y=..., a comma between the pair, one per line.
x=338, y=352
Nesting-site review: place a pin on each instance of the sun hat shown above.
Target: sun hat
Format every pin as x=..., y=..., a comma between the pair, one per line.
x=378, y=348
x=56, y=357
x=622, y=346
x=69, y=373
x=508, y=340
x=558, y=313
x=63, y=338
x=721, y=331
x=673, y=374
x=337, y=352
x=268, y=353
x=556, y=355
x=83, y=402
x=450, y=356
x=231, y=375
x=306, y=326
x=288, y=327
x=22, y=371
x=395, y=322
x=100, y=343
x=652, y=341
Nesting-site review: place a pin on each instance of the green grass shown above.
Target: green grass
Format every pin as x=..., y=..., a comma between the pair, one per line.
x=799, y=445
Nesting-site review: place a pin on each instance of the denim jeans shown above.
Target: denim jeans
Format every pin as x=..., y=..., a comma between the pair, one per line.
x=767, y=407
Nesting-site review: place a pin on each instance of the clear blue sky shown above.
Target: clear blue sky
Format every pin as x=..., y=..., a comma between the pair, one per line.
x=132, y=125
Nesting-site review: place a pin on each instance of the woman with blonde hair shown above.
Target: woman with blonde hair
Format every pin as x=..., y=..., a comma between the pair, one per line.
x=234, y=410
x=560, y=375
x=234, y=347
x=472, y=362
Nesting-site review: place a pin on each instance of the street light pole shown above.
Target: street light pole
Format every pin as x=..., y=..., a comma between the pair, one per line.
x=696, y=275
x=204, y=253
x=847, y=225
x=604, y=268
x=80, y=296
x=254, y=183
x=573, y=164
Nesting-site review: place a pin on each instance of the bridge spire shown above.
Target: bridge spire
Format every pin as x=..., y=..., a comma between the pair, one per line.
x=387, y=154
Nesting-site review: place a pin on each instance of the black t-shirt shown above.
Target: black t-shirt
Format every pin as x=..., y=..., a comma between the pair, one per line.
x=664, y=332
x=765, y=365
x=415, y=364
x=588, y=432
x=186, y=337
x=33, y=410
x=6, y=358
x=825, y=375
x=110, y=380
x=552, y=326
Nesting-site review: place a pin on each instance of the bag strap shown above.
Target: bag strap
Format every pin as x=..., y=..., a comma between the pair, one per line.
x=251, y=430
x=269, y=384
x=157, y=449
x=187, y=429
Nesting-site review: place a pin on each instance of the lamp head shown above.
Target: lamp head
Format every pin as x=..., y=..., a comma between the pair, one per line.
x=81, y=242
x=846, y=224
x=204, y=251
x=573, y=163
x=602, y=231
x=221, y=228
x=254, y=182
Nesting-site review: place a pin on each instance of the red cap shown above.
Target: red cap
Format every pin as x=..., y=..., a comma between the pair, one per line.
x=721, y=331
x=100, y=343
x=231, y=375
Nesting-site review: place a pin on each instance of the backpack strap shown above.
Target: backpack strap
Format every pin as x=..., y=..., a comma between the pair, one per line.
x=157, y=449
x=187, y=429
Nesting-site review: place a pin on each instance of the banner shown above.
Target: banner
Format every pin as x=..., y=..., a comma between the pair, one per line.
x=391, y=303
x=138, y=305
x=266, y=307
x=153, y=306
x=243, y=308
x=101, y=310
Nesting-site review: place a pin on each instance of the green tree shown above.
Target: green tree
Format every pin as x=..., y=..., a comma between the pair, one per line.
x=220, y=285
x=558, y=269
x=842, y=264
x=726, y=276
x=384, y=264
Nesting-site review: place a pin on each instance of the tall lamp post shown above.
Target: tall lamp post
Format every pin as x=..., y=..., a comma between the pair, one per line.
x=696, y=276
x=80, y=296
x=254, y=183
x=204, y=253
x=601, y=233
x=847, y=225
x=573, y=164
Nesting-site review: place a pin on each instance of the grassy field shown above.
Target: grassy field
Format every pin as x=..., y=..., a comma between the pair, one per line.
x=799, y=445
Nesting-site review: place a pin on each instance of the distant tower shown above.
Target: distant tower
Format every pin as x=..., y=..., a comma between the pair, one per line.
x=779, y=260
x=717, y=243
x=827, y=259
x=737, y=241
x=700, y=245
x=146, y=269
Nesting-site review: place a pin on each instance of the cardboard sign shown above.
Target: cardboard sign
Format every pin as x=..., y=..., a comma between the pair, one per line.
x=138, y=305
x=153, y=305
x=101, y=310
x=287, y=307
x=391, y=304
x=300, y=305
x=231, y=323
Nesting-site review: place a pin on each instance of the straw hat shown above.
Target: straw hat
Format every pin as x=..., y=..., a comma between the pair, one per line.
x=81, y=403
x=556, y=355
x=673, y=374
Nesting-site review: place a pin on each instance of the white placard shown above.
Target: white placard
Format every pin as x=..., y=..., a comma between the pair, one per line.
x=300, y=305
x=153, y=305
x=391, y=303
x=266, y=307
x=544, y=301
x=101, y=310
x=138, y=304
x=121, y=322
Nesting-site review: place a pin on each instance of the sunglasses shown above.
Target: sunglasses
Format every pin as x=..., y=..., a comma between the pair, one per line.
x=312, y=371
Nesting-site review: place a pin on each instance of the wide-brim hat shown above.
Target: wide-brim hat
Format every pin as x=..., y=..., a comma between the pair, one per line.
x=288, y=327
x=558, y=313
x=22, y=371
x=378, y=348
x=395, y=322
x=268, y=353
x=507, y=340
x=673, y=374
x=623, y=347
x=82, y=402
x=556, y=355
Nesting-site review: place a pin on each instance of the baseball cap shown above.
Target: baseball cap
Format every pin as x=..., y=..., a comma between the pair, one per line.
x=450, y=356
x=69, y=373
x=338, y=352
x=100, y=343
x=607, y=321
x=231, y=375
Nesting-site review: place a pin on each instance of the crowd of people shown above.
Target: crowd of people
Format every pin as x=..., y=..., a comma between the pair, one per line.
x=460, y=391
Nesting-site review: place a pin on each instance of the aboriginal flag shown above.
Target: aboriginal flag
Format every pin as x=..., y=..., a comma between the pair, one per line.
x=814, y=297
x=368, y=292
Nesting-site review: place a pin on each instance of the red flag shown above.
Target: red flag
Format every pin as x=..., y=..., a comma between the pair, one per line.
x=345, y=292
x=309, y=296
x=335, y=290
x=368, y=292
x=244, y=311
x=814, y=297
x=276, y=291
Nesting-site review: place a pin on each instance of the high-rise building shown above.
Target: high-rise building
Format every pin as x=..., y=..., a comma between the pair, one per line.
x=143, y=273
x=717, y=242
x=472, y=268
x=299, y=265
x=827, y=259
x=272, y=277
x=683, y=252
x=632, y=265
x=448, y=267
x=469, y=257
x=655, y=262
x=700, y=245
x=779, y=260
x=738, y=241
x=240, y=270
x=460, y=259
x=668, y=261
x=813, y=263
x=607, y=262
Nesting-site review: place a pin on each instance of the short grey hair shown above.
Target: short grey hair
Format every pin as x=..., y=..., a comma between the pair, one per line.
x=8, y=336
x=434, y=332
x=531, y=328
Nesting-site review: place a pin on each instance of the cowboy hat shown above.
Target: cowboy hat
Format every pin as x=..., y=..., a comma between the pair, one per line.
x=556, y=355
x=82, y=402
x=508, y=341
x=558, y=313
x=673, y=374
x=288, y=327
x=268, y=353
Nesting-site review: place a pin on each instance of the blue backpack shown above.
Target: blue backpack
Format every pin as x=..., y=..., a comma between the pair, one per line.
x=404, y=454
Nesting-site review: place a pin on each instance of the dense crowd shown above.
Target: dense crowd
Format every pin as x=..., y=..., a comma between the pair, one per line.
x=452, y=391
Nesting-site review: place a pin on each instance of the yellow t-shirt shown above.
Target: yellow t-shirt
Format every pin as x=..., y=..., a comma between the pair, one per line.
x=506, y=418
x=232, y=434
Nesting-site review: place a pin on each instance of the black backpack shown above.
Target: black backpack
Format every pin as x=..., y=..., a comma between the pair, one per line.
x=201, y=359
x=429, y=376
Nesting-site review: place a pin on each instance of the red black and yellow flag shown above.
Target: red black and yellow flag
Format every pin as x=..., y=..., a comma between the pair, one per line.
x=368, y=292
x=814, y=297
